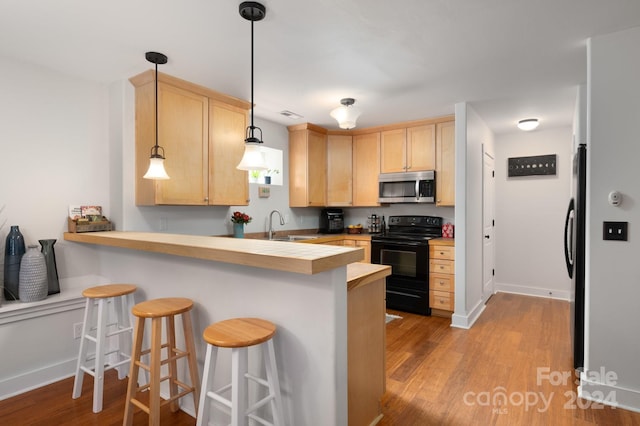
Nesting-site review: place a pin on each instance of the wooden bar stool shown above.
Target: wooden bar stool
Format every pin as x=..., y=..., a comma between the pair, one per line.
x=239, y=334
x=156, y=310
x=97, y=327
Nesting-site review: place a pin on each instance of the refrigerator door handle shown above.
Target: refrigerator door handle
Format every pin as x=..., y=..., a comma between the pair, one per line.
x=568, y=238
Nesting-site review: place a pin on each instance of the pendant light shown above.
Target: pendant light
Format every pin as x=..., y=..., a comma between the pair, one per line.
x=253, y=158
x=156, y=164
x=347, y=114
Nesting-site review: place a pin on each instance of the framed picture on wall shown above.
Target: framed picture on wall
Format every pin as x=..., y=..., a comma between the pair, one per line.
x=537, y=165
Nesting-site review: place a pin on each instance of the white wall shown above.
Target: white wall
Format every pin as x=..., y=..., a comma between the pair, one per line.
x=530, y=213
x=54, y=152
x=613, y=268
x=471, y=134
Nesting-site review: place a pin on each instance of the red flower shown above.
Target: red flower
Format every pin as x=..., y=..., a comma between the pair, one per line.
x=239, y=217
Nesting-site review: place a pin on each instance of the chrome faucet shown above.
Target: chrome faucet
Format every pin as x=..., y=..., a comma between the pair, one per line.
x=271, y=222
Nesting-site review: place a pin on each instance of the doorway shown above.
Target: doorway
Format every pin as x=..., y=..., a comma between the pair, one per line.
x=488, y=224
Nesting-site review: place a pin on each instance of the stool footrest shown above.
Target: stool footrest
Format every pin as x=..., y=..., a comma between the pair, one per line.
x=91, y=372
x=180, y=354
x=140, y=405
x=259, y=420
x=94, y=339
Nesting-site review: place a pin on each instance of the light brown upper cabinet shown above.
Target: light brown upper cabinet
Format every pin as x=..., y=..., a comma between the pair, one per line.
x=410, y=149
x=366, y=165
x=339, y=170
x=445, y=164
x=307, y=166
x=202, y=133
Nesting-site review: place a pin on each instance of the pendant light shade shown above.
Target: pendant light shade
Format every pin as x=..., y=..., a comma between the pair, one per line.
x=156, y=169
x=253, y=158
x=347, y=114
x=528, y=124
x=156, y=164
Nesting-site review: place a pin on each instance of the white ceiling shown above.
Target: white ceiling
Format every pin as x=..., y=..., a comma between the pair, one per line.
x=401, y=60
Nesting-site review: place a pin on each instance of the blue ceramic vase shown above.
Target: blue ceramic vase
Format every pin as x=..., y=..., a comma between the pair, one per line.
x=14, y=249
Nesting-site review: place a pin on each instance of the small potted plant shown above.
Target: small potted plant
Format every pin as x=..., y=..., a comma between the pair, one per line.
x=239, y=219
x=255, y=175
x=268, y=174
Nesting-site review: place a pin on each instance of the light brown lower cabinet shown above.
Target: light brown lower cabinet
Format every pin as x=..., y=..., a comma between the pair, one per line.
x=366, y=245
x=441, y=279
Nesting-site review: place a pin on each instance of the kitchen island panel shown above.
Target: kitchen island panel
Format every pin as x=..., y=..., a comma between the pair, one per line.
x=310, y=312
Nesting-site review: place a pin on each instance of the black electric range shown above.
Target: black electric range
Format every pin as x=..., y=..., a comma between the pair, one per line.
x=405, y=247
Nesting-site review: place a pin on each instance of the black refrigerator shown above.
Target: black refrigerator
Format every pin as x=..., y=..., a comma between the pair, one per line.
x=574, y=252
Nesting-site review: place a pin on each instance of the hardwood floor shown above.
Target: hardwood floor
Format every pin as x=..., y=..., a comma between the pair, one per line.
x=436, y=375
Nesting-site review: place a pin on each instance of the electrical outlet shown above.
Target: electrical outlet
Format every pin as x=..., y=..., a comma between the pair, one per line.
x=77, y=330
x=616, y=231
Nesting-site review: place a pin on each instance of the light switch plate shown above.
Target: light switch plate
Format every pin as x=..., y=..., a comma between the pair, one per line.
x=615, y=231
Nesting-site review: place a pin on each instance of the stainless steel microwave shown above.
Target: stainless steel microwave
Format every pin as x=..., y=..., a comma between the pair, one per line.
x=408, y=187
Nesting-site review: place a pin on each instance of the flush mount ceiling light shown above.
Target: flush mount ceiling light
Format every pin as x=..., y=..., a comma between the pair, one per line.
x=528, y=124
x=156, y=164
x=347, y=114
x=253, y=158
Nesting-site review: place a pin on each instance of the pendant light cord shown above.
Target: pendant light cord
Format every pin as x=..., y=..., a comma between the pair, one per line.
x=252, y=127
x=156, y=147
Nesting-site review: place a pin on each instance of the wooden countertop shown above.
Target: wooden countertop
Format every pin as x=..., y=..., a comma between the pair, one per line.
x=443, y=241
x=361, y=273
x=283, y=256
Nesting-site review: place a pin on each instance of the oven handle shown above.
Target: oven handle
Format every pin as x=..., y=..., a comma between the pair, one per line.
x=403, y=294
x=400, y=243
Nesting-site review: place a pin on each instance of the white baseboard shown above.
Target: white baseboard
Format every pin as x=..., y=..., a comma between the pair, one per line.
x=594, y=392
x=532, y=291
x=466, y=321
x=34, y=379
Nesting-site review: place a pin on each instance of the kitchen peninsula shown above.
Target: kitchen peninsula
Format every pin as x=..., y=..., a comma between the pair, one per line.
x=329, y=310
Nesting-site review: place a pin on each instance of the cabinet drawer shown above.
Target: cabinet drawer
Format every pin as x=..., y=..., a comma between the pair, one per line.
x=442, y=282
x=441, y=252
x=441, y=300
x=441, y=266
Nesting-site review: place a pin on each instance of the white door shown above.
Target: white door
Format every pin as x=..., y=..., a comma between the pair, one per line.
x=488, y=225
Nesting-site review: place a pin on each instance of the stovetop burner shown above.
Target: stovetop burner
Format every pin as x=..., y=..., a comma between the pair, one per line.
x=412, y=228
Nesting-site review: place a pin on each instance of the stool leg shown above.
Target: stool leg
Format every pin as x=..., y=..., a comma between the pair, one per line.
x=82, y=355
x=274, y=383
x=98, y=379
x=173, y=367
x=138, y=333
x=124, y=339
x=154, y=384
x=193, y=362
x=207, y=385
x=238, y=387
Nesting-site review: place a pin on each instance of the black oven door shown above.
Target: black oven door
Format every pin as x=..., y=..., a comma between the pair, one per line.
x=408, y=284
x=408, y=259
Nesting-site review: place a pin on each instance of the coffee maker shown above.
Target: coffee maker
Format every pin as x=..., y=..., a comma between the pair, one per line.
x=331, y=221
